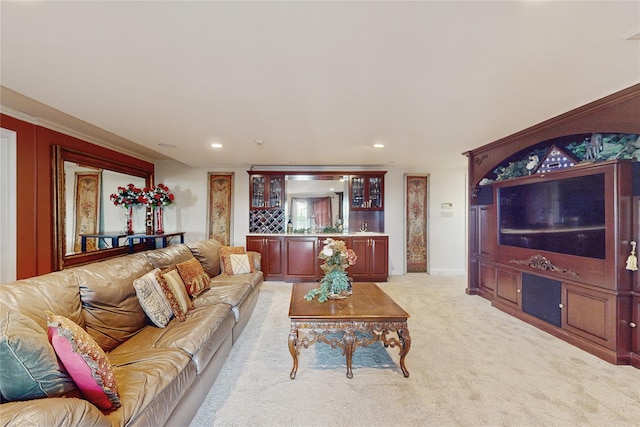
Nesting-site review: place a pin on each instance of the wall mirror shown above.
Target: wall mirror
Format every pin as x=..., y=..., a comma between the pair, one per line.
x=83, y=184
x=317, y=202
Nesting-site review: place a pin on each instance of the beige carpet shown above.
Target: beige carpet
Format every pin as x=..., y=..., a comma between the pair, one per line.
x=470, y=365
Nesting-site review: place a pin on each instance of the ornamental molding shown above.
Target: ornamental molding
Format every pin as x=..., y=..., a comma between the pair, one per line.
x=542, y=263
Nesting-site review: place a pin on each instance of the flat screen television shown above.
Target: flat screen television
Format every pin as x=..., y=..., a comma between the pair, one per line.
x=563, y=215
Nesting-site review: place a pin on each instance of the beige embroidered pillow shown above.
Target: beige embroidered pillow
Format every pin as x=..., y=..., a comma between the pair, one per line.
x=152, y=299
x=175, y=291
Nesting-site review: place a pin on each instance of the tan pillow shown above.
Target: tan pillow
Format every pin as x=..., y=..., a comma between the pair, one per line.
x=194, y=277
x=175, y=291
x=208, y=253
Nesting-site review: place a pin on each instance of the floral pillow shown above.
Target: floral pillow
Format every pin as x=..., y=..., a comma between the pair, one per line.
x=194, y=277
x=152, y=299
x=175, y=291
x=85, y=362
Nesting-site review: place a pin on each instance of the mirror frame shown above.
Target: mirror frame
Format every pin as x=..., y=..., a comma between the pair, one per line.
x=60, y=155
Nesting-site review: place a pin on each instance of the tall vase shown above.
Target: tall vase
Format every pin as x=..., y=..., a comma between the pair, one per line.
x=129, y=215
x=159, y=220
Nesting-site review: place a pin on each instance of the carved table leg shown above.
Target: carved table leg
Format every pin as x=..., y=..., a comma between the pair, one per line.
x=405, y=340
x=293, y=349
x=349, y=340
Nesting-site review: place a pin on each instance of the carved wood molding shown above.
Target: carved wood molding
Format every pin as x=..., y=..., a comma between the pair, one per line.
x=542, y=263
x=317, y=332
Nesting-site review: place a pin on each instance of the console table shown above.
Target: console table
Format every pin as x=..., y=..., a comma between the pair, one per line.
x=151, y=239
x=115, y=237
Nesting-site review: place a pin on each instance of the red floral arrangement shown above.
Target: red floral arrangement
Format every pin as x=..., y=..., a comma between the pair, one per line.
x=127, y=196
x=158, y=195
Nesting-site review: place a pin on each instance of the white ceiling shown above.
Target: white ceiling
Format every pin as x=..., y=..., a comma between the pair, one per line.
x=318, y=82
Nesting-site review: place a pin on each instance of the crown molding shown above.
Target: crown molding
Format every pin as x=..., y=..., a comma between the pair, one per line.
x=37, y=121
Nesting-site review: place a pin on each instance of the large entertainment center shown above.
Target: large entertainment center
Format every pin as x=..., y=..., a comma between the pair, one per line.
x=554, y=214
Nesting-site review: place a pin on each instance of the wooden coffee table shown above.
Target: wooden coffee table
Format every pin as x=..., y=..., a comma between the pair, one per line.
x=368, y=310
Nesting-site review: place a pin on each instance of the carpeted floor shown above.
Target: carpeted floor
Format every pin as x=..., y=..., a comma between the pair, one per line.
x=470, y=365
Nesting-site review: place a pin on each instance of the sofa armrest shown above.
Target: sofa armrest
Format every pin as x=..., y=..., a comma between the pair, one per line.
x=257, y=260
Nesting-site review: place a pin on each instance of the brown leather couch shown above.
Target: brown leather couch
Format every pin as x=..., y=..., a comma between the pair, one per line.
x=162, y=374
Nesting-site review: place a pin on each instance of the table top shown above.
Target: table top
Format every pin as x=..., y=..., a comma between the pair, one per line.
x=367, y=303
x=105, y=234
x=144, y=236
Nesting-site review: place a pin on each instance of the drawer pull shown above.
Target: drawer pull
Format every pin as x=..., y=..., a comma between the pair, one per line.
x=633, y=325
x=561, y=305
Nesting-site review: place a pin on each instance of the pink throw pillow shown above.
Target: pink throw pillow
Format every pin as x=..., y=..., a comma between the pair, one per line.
x=85, y=361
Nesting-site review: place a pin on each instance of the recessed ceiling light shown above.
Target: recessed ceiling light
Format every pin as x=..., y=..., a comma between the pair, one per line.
x=163, y=145
x=259, y=141
x=216, y=145
x=378, y=145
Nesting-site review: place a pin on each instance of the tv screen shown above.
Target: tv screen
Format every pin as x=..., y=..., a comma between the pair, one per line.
x=565, y=216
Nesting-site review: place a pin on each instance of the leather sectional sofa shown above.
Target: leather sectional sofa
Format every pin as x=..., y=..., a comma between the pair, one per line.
x=162, y=374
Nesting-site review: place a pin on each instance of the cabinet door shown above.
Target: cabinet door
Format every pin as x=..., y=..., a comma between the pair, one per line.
x=360, y=271
x=301, y=254
x=379, y=259
x=508, y=287
x=266, y=191
x=635, y=330
x=366, y=192
x=258, y=190
x=375, y=192
x=589, y=314
x=275, y=257
x=270, y=249
x=487, y=276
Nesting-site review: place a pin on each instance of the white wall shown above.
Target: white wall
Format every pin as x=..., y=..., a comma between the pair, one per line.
x=8, y=211
x=447, y=235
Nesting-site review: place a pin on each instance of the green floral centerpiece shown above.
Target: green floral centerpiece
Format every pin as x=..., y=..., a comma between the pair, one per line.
x=337, y=258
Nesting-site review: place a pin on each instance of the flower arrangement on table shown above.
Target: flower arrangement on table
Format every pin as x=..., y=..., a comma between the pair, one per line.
x=158, y=195
x=127, y=196
x=337, y=258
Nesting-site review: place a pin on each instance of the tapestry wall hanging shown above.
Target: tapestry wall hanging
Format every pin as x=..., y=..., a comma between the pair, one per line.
x=416, y=204
x=219, y=207
x=87, y=208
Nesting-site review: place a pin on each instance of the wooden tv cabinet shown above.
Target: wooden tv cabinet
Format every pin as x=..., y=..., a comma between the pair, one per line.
x=591, y=301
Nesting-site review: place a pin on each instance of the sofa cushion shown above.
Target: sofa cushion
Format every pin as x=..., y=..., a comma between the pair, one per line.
x=176, y=293
x=254, y=279
x=207, y=252
x=169, y=256
x=53, y=411
x=232, y=294
x=112, y=311
x=56, y=291
x=212, y=323
x=29, y=366
x=150, y=383
x=193, y=275
x=85, y=361
x=152, y=299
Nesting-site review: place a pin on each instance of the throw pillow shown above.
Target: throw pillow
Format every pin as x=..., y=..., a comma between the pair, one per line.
x=152, y=299
x=29, y=368
x=194, y=277
x=225, y=251
x=227, y=264
x=240, y=264
x=85, y=362
x=175, y=291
